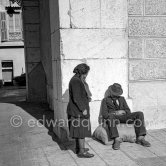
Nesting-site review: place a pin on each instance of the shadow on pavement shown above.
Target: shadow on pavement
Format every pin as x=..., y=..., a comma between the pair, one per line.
x=39, y=111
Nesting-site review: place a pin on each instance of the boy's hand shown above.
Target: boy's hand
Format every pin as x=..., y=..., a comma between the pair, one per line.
x=120, y=112
x=85, y=112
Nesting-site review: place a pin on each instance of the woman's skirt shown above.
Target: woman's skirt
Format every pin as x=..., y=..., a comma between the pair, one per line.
x=79, y=127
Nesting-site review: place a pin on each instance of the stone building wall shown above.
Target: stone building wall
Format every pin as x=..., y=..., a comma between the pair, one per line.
x=128, y=48
x=45, y=48
x=147, y=59
x=36, y=77
x=94, y=32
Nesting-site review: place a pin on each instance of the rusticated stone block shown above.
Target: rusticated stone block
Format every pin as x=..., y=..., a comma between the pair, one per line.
x=57, y=80
x=149, y=97
x=93, y=43
x=32, y=39
x=136, y=48
x=33, y=54
x=114, y=14
x=155, y=7
x=85, y=13
x=147, y=26
x=37, y=91
x=54, y=15
x=147, y=70
x=30, y=3
x=31, y=28
x=155, y=48
x=55, y=42
x=64, y=12
x=103, y=72
x=32, y=35
x=31, y=66
x=31, y=15
x=135, y=7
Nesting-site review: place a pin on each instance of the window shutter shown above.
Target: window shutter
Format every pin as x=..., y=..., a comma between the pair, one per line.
x=11, y=23
x=17, y=22
x=3, y=26
x=4, y=2
x=18, y=25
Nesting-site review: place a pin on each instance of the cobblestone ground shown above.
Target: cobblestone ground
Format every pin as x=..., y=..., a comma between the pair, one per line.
x=30, y=143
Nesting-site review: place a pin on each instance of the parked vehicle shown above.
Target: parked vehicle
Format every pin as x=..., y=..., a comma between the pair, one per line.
x=21, y=80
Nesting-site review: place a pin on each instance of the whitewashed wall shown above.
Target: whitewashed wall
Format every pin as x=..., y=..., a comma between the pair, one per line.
x=94, y=32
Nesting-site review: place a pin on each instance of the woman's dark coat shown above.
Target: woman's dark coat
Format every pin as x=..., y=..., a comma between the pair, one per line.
x=78, y=99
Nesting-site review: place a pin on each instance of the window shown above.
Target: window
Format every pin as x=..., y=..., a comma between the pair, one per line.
x=4, y=2
x=11, y=27
x=15, y=27
x=3, y=26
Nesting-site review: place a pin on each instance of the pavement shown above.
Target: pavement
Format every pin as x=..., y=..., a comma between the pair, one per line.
x=26, y=140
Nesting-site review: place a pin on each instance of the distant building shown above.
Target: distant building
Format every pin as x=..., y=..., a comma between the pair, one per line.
x=12, y=61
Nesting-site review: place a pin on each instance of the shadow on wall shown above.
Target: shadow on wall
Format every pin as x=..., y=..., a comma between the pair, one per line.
x=106, y=94
x=64, y=131
x=65, y=142
x=65, y=96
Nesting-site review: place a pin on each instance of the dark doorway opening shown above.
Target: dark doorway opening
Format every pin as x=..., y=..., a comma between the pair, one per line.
x=7, y=72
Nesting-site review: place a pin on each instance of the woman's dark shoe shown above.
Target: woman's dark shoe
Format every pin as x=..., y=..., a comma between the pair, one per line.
x=116, y=145
x=85, y=155
x=143, y=142
x=85, y=150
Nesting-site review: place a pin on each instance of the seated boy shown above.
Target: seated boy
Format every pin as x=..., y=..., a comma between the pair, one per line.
x=115, y=109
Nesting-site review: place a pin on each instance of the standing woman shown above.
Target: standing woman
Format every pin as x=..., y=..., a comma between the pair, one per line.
x=78, y=109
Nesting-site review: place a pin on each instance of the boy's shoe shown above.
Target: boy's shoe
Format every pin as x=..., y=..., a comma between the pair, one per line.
x=116, y=145
x=143, y=142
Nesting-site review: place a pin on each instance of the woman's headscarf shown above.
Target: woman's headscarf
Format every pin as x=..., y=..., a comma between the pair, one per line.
x=83, y=69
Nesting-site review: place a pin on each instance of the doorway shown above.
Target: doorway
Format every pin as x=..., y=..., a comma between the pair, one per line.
x=7, y=72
